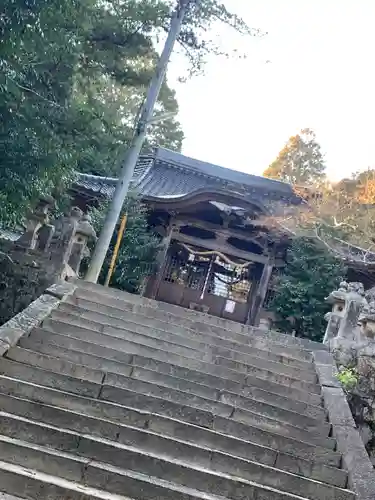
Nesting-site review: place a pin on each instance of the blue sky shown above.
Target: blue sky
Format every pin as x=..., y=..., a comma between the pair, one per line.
x=315, y=68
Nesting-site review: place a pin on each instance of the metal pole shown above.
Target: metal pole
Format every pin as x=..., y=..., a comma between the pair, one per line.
x=116, y=249
x=134, y=150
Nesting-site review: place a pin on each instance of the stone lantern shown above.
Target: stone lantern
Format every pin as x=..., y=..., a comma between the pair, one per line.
x=36, y=220
x=334, y=317
x=367, y=321
x=343, y=333
x=83, y=234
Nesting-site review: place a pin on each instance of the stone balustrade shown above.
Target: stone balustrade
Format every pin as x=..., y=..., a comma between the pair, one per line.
x=48, y=251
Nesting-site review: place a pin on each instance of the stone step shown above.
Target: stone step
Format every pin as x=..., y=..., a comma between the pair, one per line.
x=113, y=296
x=142, y=395
x=141, y=344
x=171, y=376
x=131, y=321
x=177, y=428
x=238, y=452
x=106, y=324
x=196, y=483
x=4, y=496
x=30, y=484
x=169, y=364
x=39, y=485
x=129, y=380
x=228, y=474
x=198, y=321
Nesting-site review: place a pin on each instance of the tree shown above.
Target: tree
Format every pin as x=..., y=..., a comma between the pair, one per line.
x=310, y=275
x=72, y=78
x=300, y=162
x=139, y=247
x=65, y=69
x=340, y=216
x=110, y=111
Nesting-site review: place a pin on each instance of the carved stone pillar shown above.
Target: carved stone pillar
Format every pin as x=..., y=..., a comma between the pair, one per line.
x=367, y=321
x=334, y=317
x=64, y=236
x=354, y=303
x=83, y=234
x=345, y=343
x=261, y=292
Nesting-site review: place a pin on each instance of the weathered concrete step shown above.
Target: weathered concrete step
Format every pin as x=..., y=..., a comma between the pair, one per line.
x=180, y=379
x=169, y=364
x=105, y=325
x=192, y=319
x=131, y=321
x=173, y=343
x=4, y=496
x=107, y=419
x=30, y=484
x=142, y=395
x=219, y=402
x=169, y=409
x=114, y=297
x=139, y=344
x=230, y=473
x=84, y=466
x=139, y=485
x=53, y=428
x=39, y=485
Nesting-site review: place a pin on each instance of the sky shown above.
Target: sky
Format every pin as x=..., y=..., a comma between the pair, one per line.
x=315, y=68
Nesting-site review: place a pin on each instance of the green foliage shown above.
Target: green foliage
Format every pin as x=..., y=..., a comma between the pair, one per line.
x=348, y=377
x=310, y=274
x=73, y=74
x=300, y=162
x=138, y=250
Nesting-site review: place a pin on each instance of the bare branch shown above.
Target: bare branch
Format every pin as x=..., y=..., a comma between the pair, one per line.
x=34, y=92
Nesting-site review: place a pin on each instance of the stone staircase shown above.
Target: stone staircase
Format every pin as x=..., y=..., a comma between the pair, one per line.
x=118, y=397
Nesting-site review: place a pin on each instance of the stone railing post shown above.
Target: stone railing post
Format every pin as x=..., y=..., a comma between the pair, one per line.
x=334, y=317
x=62, y=242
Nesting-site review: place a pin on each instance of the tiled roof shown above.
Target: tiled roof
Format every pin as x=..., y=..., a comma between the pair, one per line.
x=167, y=174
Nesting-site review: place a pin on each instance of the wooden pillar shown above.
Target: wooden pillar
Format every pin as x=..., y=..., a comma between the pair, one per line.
x=261, y=292
x=162, y=259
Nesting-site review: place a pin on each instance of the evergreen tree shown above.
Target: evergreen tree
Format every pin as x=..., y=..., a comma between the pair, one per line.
x=139, y=246
x=300, y=162
x=310, y=275
x=72, y=77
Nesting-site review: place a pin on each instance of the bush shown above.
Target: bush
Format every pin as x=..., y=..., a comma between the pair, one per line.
x=138, y=250
x=310, y=275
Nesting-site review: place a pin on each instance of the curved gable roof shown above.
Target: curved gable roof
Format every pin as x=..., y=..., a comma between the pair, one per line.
x=166, y=174
x=221, y=173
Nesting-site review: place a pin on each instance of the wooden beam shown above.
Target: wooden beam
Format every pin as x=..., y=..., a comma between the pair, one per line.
x=260, y=294
x=229, y=233
x=162, y=259
x=220, y=247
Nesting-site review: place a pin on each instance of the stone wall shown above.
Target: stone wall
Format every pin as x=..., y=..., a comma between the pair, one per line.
x=48, y=251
